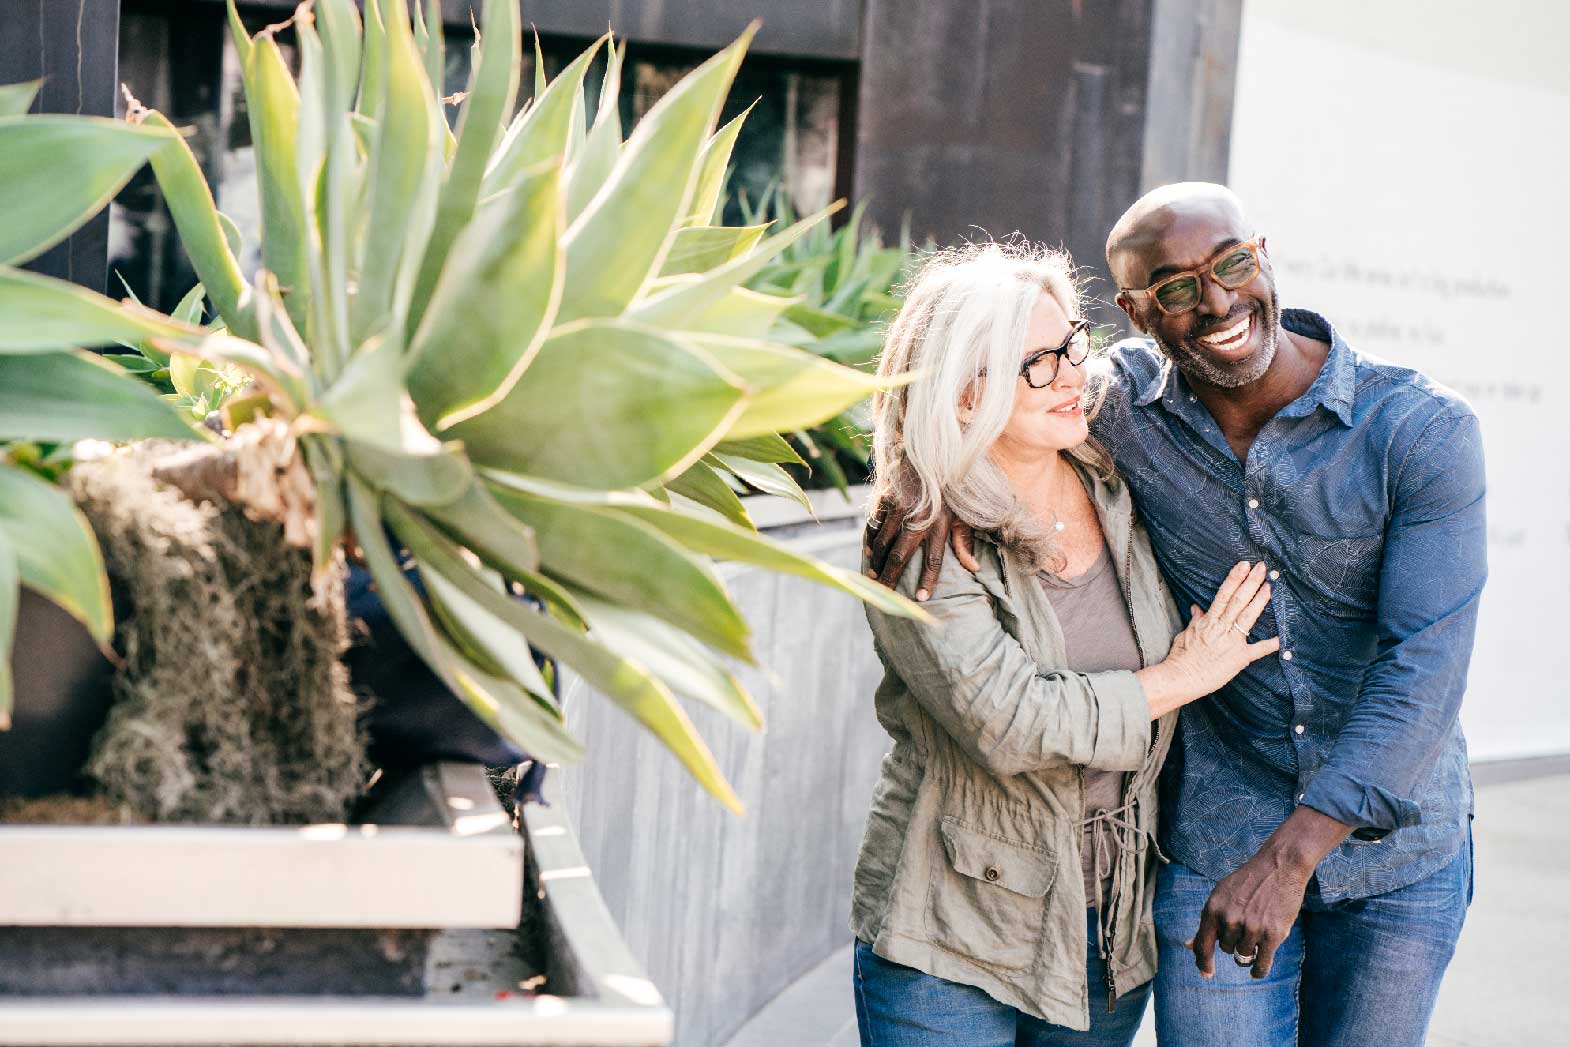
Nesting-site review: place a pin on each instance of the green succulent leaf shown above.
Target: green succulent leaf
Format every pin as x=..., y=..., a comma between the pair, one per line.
x=541, y=131
x=728, y=542
x=43, y=314
x=373, y=64
x=338, y=22
x=705, y=534
x=480, y=523
x=509, y=710
x=671, y=656
x=38, y=207
x=274, y=109
x=742, y=313
x=818, y=322
x=592, y=165
x=765, y=476
x=242, y=39
x=697, y=249
x=793, y=389
x=675, y=303
x=76, y=396
x=432, y=45
x=493, y=88
x=629, y=563
x=625, y=232
x=492, y=308
x=434, y=477
x=712, y=168
x=403, y=170
x=657, y=405
x=56, y=553
x=17, y=99
x=770, y=447
x=704, y=485
x=622, y=680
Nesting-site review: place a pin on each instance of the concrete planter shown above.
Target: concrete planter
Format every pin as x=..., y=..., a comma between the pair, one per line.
x=725, y=913
x=439, y=924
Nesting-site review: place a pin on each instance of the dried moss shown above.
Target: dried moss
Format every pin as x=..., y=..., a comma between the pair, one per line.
x=61, y=810
x=232, y=703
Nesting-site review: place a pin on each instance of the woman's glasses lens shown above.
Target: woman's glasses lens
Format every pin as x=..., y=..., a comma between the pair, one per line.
x=1044, y=369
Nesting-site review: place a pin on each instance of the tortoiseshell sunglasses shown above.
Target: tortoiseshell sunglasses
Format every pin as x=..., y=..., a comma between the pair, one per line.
x=1231, y=267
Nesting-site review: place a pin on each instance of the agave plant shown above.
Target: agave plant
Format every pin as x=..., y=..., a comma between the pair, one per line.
x=50, y=395
x=516, y=355
x=845, y=288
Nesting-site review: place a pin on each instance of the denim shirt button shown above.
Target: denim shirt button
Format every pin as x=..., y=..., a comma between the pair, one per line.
x=1300, y=728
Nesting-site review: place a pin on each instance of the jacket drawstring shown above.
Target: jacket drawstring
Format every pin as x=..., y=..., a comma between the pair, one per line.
x=1112, y=833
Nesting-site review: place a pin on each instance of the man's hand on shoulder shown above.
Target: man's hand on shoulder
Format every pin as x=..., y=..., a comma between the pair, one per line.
x=889, y=544
x=1251, y=912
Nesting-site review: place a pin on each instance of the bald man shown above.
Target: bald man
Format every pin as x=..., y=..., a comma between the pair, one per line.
x=1317, y=809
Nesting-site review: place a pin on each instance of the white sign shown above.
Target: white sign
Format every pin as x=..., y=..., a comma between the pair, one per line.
x=1407, y=168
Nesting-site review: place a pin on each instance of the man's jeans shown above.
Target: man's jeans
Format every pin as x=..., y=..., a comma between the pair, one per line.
x=1352, y=973
x=898, y=1006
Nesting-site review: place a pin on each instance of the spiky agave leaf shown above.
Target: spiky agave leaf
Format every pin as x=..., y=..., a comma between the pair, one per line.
x=487, y=347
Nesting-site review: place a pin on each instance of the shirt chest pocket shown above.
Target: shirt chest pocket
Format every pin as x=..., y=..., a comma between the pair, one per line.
x=988, y=896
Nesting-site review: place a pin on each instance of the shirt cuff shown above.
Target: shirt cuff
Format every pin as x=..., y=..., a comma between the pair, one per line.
x=1123, y=728
x=1363, y=806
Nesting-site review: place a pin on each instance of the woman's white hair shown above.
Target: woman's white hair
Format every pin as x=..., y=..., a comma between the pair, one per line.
x=965, y=314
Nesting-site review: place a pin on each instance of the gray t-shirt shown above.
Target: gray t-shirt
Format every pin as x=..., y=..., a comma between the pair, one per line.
x=1098, y=637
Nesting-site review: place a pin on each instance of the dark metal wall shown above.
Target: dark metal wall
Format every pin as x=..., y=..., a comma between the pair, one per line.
x=809, y=28
x=1001, y=116
x=72, y=45
x=972, y=117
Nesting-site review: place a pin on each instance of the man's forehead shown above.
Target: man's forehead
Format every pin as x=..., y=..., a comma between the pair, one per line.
x=1179, y=238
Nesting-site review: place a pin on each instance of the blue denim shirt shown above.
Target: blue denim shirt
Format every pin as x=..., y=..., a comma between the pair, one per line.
x=1366, y=495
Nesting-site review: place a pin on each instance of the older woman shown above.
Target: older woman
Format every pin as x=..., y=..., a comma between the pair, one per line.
x=1003, y=892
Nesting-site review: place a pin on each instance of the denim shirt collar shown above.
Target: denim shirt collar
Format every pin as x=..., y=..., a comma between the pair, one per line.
x=1332, y=389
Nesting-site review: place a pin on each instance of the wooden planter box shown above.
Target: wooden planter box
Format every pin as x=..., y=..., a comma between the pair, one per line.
x=435, y=925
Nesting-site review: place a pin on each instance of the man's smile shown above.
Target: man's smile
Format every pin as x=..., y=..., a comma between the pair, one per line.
x=1230, y=340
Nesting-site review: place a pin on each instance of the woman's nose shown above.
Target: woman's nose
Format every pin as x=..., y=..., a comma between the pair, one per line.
x=1070, y=374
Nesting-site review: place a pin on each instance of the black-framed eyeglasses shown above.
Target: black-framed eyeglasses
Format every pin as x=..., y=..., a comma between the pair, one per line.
x=1040, y=368
x=1231, y=267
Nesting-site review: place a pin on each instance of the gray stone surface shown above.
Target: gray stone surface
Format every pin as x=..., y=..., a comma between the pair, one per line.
x=1505, y=988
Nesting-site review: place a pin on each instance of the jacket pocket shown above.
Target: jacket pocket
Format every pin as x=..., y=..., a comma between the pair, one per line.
x=987, y=901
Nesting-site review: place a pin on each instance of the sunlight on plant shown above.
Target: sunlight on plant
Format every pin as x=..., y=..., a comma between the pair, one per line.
x=517, y=352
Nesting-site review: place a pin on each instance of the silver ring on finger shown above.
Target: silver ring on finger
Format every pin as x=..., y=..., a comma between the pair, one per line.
x=1245, y=961
x=1240, y=629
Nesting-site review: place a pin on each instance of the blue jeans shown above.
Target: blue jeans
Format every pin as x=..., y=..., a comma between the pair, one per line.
x=1351, y=973
x=898, y=1006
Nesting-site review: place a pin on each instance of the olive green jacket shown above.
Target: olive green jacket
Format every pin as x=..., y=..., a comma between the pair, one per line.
x=970, y=867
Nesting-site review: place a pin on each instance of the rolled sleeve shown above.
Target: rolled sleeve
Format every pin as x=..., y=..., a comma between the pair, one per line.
x=1435, y=563
x=1351, y=801
x=1007, y=714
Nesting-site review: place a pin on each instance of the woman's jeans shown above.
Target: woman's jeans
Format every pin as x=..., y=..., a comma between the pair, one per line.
x=1350, y=974
x=899, y=1006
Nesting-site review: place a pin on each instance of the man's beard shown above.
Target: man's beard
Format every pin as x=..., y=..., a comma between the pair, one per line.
x=1197, y=367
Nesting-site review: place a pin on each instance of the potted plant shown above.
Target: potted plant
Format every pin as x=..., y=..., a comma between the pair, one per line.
x=846, y=283
x=508, y=351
